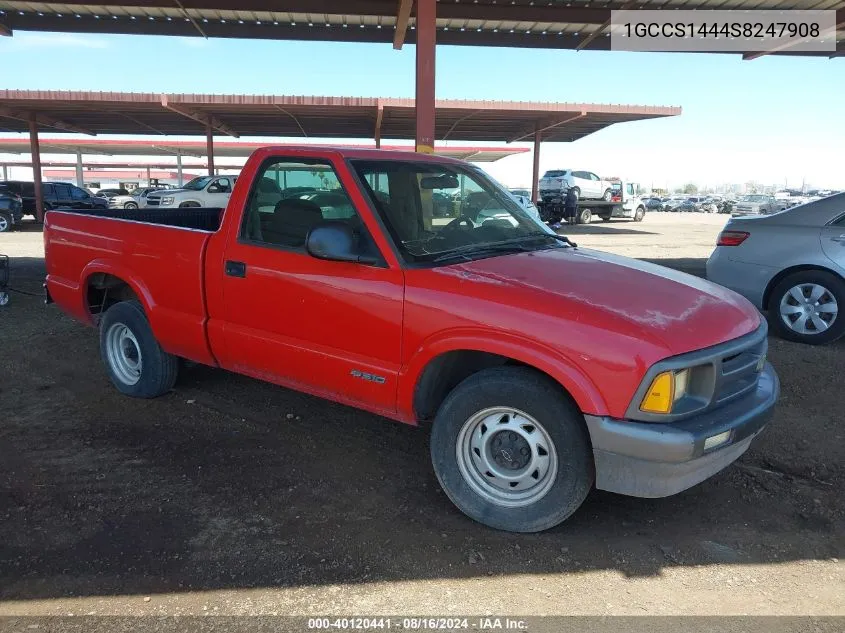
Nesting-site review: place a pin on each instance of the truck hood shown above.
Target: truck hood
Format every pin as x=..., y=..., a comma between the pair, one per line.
x=165, y=192
x=632, y=297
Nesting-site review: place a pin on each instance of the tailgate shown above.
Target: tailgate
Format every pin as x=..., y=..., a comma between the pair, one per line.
x=551, y=184
x=163, y=264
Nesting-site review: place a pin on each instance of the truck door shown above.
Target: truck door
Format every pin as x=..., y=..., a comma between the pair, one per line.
x=218, y=191
x=629, y=197
x=326, y=327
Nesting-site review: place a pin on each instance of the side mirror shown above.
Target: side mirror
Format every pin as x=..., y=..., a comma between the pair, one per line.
x=336, y=241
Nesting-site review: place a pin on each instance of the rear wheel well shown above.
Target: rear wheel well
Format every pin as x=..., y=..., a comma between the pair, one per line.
x=104, y=290
x=445, y=372
x=767, y=295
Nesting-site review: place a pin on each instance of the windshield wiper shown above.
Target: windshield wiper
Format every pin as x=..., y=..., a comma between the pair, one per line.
x=536, y=236
x=481, y=249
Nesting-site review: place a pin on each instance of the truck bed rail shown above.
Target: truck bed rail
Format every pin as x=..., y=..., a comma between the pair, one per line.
x=197, y=218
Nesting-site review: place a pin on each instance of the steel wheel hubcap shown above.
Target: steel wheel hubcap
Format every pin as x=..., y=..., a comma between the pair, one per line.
x=506, y=457
x=808, y=308
x=124, y=354
x=4, y=223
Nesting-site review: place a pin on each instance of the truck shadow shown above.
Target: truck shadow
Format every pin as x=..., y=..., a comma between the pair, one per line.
x=692, y=265
x=229, y=482
x=603, y=228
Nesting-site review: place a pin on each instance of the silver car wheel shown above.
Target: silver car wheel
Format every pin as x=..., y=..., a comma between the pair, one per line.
x=124, y=354
x=808, y=308
x=506, y=457
x=4, y=223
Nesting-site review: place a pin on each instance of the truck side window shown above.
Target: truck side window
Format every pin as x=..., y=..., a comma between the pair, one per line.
x=290, y=197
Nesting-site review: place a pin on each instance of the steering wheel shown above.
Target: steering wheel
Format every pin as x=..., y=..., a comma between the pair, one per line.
x=463, y=222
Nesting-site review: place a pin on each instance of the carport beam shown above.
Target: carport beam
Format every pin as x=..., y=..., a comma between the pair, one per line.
x=209, y=141
x=79, y=179
x=426, y=43
x=5, y=172
x=179, y=168
x=35, y=152
x=535, y=173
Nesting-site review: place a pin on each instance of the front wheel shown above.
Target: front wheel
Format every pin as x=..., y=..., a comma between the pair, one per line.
x=130, y=205
x=512, y=451
x=135, y=362
x=805, y=307
x=639, y=214
x=189, y=205
x=5, y=222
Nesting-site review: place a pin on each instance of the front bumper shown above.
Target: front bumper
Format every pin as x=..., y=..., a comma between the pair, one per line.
x=658, y=460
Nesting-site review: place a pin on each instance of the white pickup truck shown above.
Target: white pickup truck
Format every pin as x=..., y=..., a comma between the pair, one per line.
x=203, y=191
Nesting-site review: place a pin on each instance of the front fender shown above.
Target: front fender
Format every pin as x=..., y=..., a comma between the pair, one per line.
x=550, y=361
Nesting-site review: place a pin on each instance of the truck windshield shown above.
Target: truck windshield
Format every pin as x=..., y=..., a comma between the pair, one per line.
x=434, y=210
x=198, y=184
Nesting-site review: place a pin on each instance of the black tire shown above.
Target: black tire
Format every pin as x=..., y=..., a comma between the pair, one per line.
x=584, y=216
x=6, y=222
x=639, y=214
x=189, y=205
x=540, y=397
x=130, y=205
x=158, y=369
x=832, y=283
x=608, y=195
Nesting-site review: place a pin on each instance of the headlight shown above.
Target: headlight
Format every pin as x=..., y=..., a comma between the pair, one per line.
x=665, y=390
x=167, y=200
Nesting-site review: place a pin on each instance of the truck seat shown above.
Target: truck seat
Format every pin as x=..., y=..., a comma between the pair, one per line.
x=292, y=219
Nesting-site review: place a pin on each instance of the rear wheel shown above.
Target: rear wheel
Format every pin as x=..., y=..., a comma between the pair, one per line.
x=608, y=195
x=5, y=222
x=584, y=216
x=512, y=451
x=807, y=307
x=135, y=362
x=639, y=214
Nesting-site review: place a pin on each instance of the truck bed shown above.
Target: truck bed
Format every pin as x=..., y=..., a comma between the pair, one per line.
x=197, y=218
x=146, y=249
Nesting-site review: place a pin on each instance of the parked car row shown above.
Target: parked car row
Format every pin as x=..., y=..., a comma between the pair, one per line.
x=54, y=195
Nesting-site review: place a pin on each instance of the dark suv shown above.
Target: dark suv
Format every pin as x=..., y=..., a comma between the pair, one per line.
x=10, y=210
x=57, y=195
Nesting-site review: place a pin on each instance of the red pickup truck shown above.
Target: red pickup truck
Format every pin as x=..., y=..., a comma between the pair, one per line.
x=417, y=288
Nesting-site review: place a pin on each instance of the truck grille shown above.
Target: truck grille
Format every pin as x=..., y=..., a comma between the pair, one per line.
x=721, y=374
x=737, y=372
x=153, y=202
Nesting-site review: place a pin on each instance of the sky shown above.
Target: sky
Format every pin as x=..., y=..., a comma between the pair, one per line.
x=774, y=120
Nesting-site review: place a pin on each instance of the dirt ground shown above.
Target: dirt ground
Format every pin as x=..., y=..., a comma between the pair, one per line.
x=230, y=496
